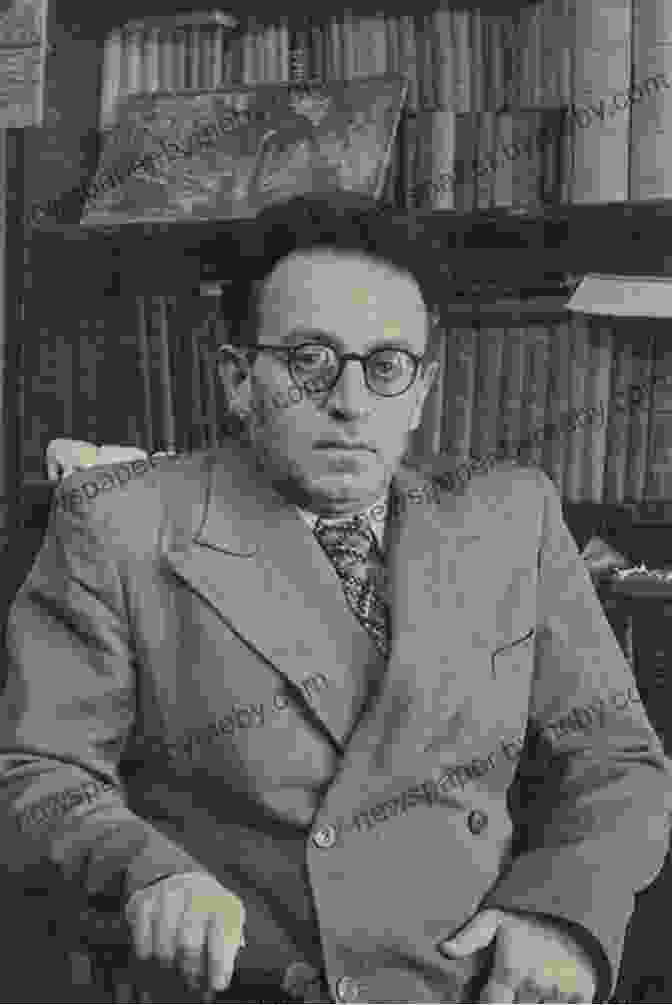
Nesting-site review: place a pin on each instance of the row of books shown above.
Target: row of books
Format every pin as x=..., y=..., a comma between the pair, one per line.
x=467, y=60
x=441, y=160
x=597, y=393
x=498, y=387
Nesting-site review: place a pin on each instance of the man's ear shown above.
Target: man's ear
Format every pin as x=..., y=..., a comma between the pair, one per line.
x=234, y=372
x=424, y=386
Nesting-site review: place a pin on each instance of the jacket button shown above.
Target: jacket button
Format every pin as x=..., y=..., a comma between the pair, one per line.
x=325, y=837
x=299, y=977
x=347, y=989
x=477, y=821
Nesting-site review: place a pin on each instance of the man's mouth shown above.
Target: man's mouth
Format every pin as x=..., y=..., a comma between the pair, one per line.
x=343, y=445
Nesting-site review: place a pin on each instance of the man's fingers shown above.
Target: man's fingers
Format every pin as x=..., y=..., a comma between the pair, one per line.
x=166, y=921
x=497, y=992
x=190, y=946
x=221, y=953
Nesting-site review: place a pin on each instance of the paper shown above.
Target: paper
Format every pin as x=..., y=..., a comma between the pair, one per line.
x=624, y=296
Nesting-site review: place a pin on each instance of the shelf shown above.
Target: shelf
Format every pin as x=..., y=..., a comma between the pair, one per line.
x=496, y=246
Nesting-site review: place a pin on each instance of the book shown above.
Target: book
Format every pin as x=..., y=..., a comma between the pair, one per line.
x=502, y=181
x=133, y=52
x=485, y=420
x=465, y=157
x=426, y=439
x=424, y=60
x=496, y=82
x=165, y=45
x=619, y=418
x=23, y=53
x=392, y=44
x=180, y=59
x=111, y=79
x=485, y=149
x=175, y=157
x=593, y=420
x=316, y=52
x=408, y=59
x=579, y=354
x=150, y=61
x=640, y=410
x=444, y=56
x=476, y=63
x=509, y=431
x=535, y=392
x=442, y=178
x=659, y=463
x=555, y=444
x=170, y=22
x=462, y=62
x=348, y=46
x=459, y=391
x=283, y=50
x=410, y=163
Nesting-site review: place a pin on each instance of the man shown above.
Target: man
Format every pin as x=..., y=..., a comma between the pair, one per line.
x=396, y=759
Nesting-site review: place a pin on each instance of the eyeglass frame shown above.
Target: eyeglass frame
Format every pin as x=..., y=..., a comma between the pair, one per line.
x=342, y=360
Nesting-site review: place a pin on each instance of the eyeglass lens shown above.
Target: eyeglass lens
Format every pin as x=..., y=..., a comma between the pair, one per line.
x=388, y=371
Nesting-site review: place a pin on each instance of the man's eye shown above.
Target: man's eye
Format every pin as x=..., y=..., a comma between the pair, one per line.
x=311, y=357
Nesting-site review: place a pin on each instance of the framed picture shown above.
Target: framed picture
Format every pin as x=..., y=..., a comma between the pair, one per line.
x=226, y=154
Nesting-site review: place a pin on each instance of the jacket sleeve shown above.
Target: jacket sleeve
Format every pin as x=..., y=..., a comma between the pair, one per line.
x=65, y=715
x=593, y=789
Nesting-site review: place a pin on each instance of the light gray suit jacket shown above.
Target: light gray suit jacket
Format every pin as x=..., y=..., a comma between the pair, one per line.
x=188, y=689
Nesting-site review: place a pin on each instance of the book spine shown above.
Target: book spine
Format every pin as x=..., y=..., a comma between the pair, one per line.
x=459, y=391
x=476, y=63
x=409, y=135
x=349, y=48
x=444, y=47
x=524, y=39
x=112, y=78
x=485, y=152
x=209, y=48
x=334, y=50
x=577, y=400
x=650, y=106
x=659, y=464
x=462, y=62
x=465, y=157
x=379, y=42
x=566, y=70
x=497, y=72
x=165, y=61
x=298, y=55
x=181, y=58
x=133, y=47
x=550, y=55
x=392, y=33
x=144, y=374
x=316, y=52
x=423, y=62
x=150, y=62
x=503, y=174
x=555, y=444
x=249, y=54
x=487, y=396
x=283, y=50
x=535, y=394
x=218, y=45
x=619, y=419
x=442, y=179
x=513, y=380
x=164, y=375
x=640, y=409
x=594, y=418
x=536, y=54
x=408, y=60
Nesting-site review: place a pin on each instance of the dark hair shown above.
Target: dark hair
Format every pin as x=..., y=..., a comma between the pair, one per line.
x=341, y=221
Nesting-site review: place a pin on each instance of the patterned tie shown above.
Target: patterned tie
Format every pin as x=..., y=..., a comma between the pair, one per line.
x=352, y=547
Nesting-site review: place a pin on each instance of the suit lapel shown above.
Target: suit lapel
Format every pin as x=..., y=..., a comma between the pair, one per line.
x=258, y=564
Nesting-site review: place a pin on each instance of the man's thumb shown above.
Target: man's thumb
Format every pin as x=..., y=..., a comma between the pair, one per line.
x=479, y=932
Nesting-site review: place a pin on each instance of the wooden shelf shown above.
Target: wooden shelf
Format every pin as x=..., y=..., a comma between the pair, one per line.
x=502, y=247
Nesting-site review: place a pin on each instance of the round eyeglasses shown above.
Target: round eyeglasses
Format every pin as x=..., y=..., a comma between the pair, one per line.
x=318, y=367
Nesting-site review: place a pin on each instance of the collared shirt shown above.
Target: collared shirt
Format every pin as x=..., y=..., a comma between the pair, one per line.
x=377, y=514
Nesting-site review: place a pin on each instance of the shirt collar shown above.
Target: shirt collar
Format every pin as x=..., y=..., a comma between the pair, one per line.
x=376, y=513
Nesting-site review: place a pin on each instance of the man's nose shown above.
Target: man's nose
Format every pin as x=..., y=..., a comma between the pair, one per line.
x=350, y=395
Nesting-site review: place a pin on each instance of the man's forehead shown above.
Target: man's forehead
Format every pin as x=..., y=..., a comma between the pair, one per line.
x=352, y=279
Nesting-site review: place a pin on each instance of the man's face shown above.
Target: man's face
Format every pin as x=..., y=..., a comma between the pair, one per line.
x=355, y=304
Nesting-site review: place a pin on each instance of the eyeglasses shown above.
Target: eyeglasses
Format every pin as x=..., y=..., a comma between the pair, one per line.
x=318, y=367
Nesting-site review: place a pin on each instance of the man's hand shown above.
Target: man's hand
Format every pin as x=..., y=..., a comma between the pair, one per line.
x=533, y=961
x=191, y=922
